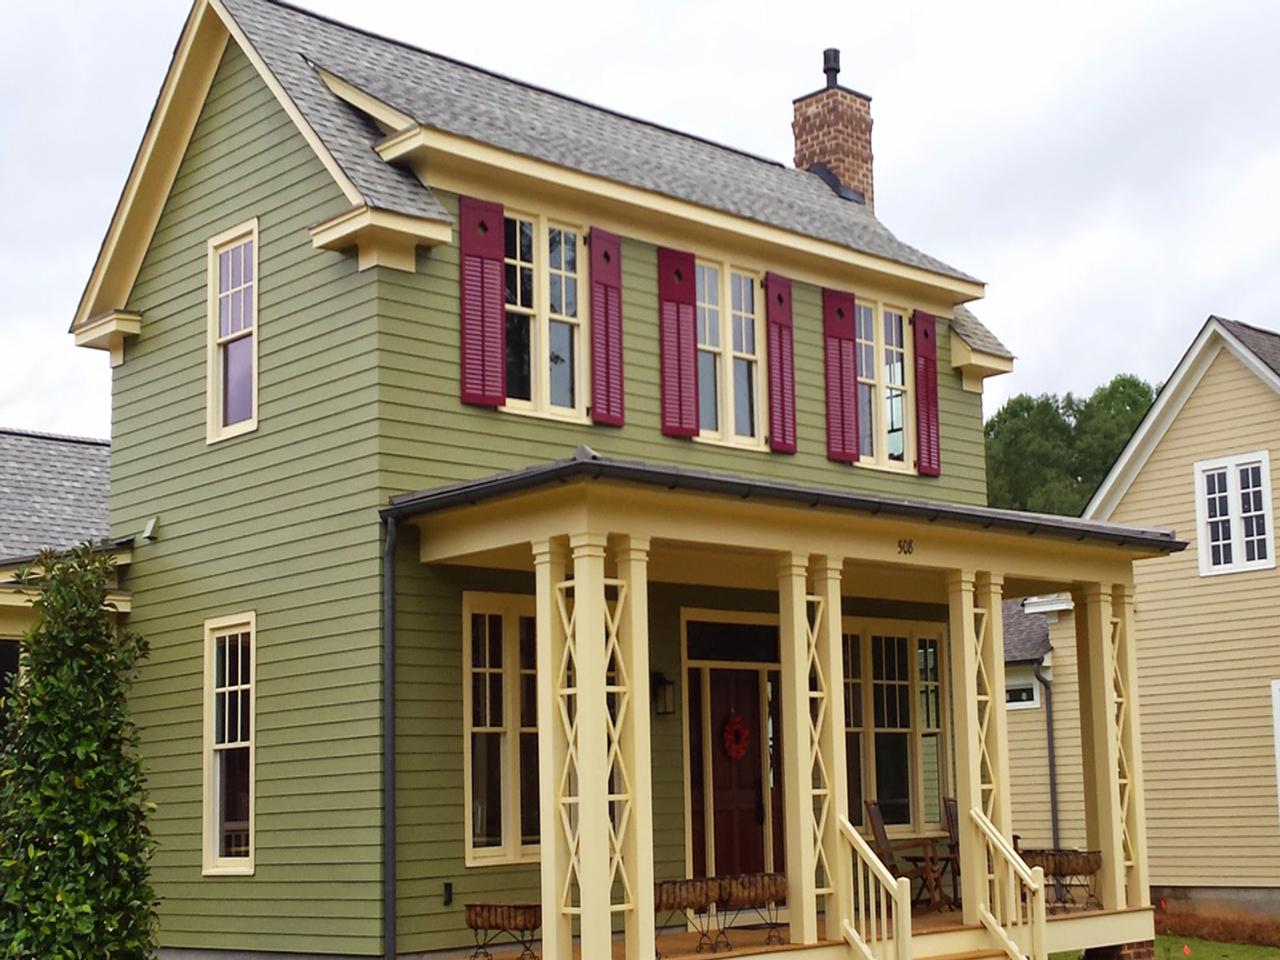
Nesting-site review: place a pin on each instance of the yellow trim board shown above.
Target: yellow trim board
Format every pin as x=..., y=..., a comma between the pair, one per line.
x=381, y=238
x=976, y=365
x=439, y=158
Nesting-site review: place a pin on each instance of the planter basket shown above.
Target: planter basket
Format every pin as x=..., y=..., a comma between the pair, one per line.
x=1064, y=863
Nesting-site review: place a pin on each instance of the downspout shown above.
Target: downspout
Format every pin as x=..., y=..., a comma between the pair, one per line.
x=1037, y=671
x=389, y=741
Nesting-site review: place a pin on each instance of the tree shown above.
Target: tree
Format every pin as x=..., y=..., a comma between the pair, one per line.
x=75, y=846
x=1049, y=454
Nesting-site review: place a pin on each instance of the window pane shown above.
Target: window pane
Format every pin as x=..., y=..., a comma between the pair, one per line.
x=486, y=789
x=237, y=380
x=477, y=639
x=708, y=390
x=510, y=238
x=853, y=754
x=528, y=643
x=224, y=271
x=220, y=718
x=232, y=768
x=893, y=777
x=479, y=700
x=562, y=363
x=529, y=800
x=866, y=420
x=931, y=771
x=895, y=428
x=519, y=356
x=526, y=241
x=248, y=307
x=744, y=397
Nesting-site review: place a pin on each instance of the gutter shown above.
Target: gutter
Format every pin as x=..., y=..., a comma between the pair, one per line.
x=389, y=739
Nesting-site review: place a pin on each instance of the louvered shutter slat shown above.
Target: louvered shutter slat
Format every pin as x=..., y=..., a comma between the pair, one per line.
x=606, y=329
x=482, y=305
x=677, y=343
x=928, y=434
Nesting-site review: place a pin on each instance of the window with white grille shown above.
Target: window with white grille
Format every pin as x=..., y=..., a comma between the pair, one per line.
x=1234, y=514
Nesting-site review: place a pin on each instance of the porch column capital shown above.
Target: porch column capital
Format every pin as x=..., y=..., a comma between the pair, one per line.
x=991, y=577
x=1090, y=593
x=1121, y=593
x=632, y=548
x=548, y=550
x=588, y=544
x=792, y=564
x=960, y=580
x=828, y=567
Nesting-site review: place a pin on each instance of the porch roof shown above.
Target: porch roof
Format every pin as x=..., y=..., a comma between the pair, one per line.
x=586, y=464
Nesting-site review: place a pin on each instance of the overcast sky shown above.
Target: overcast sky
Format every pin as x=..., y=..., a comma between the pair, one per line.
x=1111, y=169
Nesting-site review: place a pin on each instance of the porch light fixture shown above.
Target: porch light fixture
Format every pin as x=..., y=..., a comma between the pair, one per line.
x=663, y=692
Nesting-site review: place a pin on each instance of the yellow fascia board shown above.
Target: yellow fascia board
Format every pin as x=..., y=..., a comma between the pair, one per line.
x=384, y=115
x=976, y=365
x=447, y=160
x=109, y=331
x=381, y=238
x=17, y=596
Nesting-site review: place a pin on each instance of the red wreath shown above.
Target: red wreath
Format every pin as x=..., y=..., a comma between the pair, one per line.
x=736, y=737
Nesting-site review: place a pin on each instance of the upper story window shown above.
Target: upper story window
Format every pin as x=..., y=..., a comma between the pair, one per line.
x=229, y=744
x=232, y=377
x=729, y=355
x=884, y=385
x=1234, y=514
x=544, y=269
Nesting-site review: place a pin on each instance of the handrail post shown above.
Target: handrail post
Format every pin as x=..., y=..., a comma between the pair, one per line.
x=1039, y=932
x=902, y=919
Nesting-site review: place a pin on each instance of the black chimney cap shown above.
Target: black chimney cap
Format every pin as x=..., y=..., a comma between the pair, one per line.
x=831, y=65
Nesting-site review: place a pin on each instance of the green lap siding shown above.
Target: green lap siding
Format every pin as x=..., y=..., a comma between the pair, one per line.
x=282, y=521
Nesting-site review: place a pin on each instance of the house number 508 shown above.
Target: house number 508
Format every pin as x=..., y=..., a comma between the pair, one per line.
x=906, y=547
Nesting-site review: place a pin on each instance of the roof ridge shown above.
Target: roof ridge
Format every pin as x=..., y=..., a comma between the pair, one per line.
x=522, y=83
x=59, y=437
x=1248, y=326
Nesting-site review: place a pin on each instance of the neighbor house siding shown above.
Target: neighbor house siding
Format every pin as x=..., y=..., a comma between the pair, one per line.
x=1209, y=648
x=281, y=521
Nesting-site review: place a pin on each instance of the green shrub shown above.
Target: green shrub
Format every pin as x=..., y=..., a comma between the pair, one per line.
x=75, y=846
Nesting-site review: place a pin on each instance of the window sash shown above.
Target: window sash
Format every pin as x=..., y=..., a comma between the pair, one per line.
x=508, y=671
x=233, y=321
x=885, y=404
x=1230, y=538
x=730, y=338
x=230, y=735
x=549, y=330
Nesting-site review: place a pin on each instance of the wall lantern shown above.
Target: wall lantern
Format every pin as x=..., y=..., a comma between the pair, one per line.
x=663, y=692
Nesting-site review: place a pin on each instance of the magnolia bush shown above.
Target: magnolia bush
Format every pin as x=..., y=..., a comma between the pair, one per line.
x=75, y=845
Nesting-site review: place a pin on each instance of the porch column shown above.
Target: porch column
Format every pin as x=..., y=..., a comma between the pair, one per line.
x=794, y=640
x=1138, y=887
x=989, y=596
x=589, y=749
x=831, y=744
x=1099, y=739
x=637, y=839
x=962, y=640
x=553, y=739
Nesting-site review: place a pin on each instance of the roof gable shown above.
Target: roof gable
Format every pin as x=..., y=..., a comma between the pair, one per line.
x=1258, y=350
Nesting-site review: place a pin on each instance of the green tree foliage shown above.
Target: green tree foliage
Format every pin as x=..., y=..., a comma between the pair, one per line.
x=1049, y=453
x=75, y=846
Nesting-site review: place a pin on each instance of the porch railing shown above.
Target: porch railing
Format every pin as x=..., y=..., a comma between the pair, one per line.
x=1014, y=911
x=876, y=922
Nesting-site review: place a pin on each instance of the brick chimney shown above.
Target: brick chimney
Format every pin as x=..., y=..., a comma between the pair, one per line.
x=832, y=127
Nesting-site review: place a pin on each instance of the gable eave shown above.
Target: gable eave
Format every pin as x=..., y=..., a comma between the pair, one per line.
x=200, y=49
x=1213, y=338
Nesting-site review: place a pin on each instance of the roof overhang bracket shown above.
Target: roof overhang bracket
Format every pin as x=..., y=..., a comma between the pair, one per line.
x=379, y=237
x=109, y=331
x=976, y=365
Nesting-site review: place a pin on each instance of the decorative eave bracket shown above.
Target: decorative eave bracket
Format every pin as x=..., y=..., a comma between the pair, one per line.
x=380, y=237
x=109, y=331
x=976, y=365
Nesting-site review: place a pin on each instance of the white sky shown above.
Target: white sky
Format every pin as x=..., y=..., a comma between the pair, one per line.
x=1111, y=169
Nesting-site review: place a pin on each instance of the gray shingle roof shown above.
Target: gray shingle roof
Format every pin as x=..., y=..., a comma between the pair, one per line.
x=53, y=491
x=1026, y=635
x=975, y=334
x=461, y=99
x=1264, y=344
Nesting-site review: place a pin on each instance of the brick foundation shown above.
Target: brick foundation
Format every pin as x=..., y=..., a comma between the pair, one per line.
x=1139, y=950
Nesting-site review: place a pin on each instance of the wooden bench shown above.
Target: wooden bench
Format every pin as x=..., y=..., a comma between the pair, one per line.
x=489, y=921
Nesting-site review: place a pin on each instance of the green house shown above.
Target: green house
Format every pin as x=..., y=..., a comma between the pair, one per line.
x=544, y=506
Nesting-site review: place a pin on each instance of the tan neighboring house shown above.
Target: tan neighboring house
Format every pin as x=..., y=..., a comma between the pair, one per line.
x=1208, y=637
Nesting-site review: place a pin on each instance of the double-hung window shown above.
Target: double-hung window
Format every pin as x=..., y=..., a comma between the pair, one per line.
x=884, y=385
x=895, y=730
x=1234, y=514
x=501, y=719
x=229, y=723
x=730, y=406
x=544, y=268
x=232, y=375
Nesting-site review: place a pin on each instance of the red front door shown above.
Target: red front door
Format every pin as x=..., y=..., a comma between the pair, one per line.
x=738, y=788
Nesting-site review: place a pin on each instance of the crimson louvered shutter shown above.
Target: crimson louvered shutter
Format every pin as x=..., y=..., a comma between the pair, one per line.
x=841, y=349
x=483, y=311
x=606, y=328
x=928, y=438
x=782, y=369
x=677, y=343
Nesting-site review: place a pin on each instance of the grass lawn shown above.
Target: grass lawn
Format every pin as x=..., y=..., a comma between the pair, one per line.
x=1169, y=947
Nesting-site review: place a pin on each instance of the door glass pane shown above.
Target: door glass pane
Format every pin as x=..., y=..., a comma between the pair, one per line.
x=893, y=776
x=486, y=789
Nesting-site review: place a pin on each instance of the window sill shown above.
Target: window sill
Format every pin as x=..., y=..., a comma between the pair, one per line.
x=879, y=467
x=228, y=870
x=1238, y=568
x=527, y=855
x=755, y=446
x=574, y=417
x=230, y=433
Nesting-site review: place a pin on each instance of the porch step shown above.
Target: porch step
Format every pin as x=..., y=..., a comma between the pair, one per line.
x=970, y=955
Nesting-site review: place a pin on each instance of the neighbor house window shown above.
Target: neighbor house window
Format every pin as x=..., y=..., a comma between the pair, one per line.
x=229, y=680
x=544, y=266
x=729, y=355
x=501, y=711
x=895, y=730
x=232, y=401
x=1021, y=690
x=1234, y=514
x=884, y=384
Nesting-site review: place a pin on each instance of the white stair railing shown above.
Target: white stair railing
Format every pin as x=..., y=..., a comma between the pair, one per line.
x=1014, y=911
x=876, y=922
